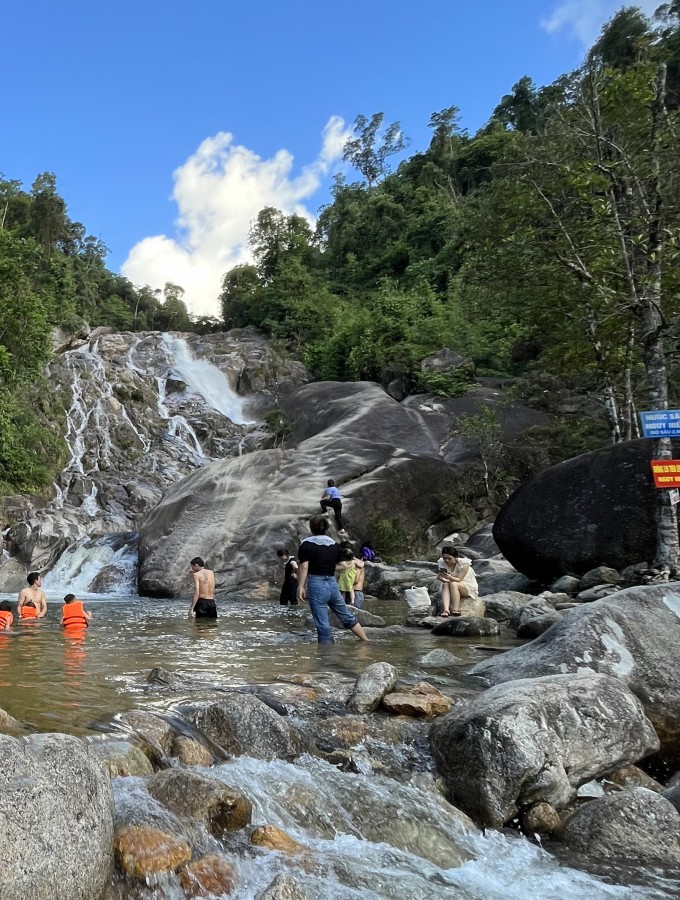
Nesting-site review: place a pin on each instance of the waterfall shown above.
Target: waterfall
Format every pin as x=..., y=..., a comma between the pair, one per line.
x=104, y=565
x=178, y=426
x=203, y=378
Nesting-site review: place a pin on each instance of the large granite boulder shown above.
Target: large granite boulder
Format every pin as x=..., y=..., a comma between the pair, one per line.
x=243, y=724
x=371, y=686
x=390, y=461
x=537, y=740
x=56, y=806
x=597, y=509
x=633, y=636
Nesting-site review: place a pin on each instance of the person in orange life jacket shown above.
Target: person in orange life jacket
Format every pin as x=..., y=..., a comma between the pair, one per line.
x=6, y=617
x=31, y=603
x=73, y=614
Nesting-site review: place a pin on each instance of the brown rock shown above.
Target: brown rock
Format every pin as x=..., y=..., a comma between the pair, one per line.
x=8, y=723
x=153, y=730
x=121, y=758
x=197, y=797
x=421, y=700
x=273, y=838
x=190, y=751
x=143, y=850
x=632, y=777
x=284, y=887
x=349, y=730
x=541, y=818
x=211, y=875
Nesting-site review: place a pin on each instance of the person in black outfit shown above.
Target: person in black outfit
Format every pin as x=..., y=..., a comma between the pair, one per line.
x=290, y=578
x=332, y=499
x=319, y=557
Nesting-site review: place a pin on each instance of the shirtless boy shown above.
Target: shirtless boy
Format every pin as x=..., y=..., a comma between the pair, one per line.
x=203, y=603
x=32, y=603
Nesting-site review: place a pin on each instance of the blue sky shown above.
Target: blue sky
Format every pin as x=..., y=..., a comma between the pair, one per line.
x=247, y=103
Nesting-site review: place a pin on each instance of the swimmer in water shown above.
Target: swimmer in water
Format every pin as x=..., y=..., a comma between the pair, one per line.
x=203, y=602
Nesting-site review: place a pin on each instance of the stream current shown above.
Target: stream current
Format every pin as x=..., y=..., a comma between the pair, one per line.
x=52, y=682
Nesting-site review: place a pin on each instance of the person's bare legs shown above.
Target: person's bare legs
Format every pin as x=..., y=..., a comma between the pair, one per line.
x=454, y=588
x=446, y=597
x=360, y=633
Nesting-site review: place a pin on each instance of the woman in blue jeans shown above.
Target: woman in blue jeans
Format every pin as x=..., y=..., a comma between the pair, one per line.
x=319, y=556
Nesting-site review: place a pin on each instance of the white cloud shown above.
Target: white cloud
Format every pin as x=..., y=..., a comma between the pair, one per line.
x=583, y=19
x=219, y=191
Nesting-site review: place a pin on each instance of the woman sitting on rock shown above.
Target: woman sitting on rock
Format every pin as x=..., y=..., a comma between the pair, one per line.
x=458, y=580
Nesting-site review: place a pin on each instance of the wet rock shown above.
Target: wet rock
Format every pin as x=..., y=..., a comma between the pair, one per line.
x=567, y=584
x=636, y=825
x=541, y=819
x=284, y=887
x=210, y=876
x=537, y=740
x=106, y=579
x=143, y=851
x=12, y=575
x=272, y=838
x=466, y=626
x=421, y=700
x=56, y=804
x=164, y=677
x=190, y=751
x=155, y=733
x=8, y=724
x=439, y=659
x=633, y=636
x=632, y=777
x=504, y=605
x=121, y=758
x=599, y=575
x=243, y=724
x=205, y=799
x=371, y=686
x=364, y=617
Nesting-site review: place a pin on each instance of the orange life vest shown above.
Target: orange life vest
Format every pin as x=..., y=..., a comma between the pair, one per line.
x=6, y=616
x=73, y=614
x=29, y=612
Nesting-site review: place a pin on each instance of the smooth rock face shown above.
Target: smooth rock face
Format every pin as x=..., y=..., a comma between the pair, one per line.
x=153, y=731
x=633, y=636
x=389, y=460
x=637, y=827
x=57, y=807
x=143, y=851
x=577, y=515
x=12, y=576
x=190, y=751
x=371, y=686
x=420, y=700
x=205, y=799
x=466, y=626
x=537, y=740
x=245, y=725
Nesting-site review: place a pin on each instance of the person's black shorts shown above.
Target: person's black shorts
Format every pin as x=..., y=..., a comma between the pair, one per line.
x=205, y=609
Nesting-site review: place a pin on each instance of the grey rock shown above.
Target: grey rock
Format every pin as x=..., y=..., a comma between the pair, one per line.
x=636, y=826
x=567, y=584
x=504, y=605
x=439, y=659
x=371, y=686
x=633, y=636
x=597, y=509
x=447, y=360
x=244, y=725
x=673, y=796
x=363, y=616
x=597, y=592
x=202, y=799
x=600, y=575
x=466, y=626
x=537, y=740
x=533, y=609
x=155, y=733
x=12, y=575
x=121, y=758
x=536, y=625
x=482, y=542
x=57, y=803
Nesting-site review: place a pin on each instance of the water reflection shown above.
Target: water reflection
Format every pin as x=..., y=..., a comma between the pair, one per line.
x=73, y=682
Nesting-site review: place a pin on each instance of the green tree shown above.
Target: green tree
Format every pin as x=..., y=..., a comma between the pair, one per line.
x=370, y=148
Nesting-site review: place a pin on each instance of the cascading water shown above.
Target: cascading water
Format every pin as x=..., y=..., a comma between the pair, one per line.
x=203, y=378
x=178, y=426
x=106, y=564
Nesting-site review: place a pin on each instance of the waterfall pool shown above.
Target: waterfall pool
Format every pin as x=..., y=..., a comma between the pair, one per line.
x=53, y=682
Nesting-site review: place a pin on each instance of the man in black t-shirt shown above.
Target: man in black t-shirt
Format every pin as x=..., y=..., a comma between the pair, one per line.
x=319, y=557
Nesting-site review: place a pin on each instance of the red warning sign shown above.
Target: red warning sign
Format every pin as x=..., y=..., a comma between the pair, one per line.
x=666, y=473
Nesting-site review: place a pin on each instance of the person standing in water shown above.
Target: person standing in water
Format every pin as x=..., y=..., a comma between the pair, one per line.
x=31, y=603
x=331, y=498
x=290, y=578
x=203, y=602
x=319, y=557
